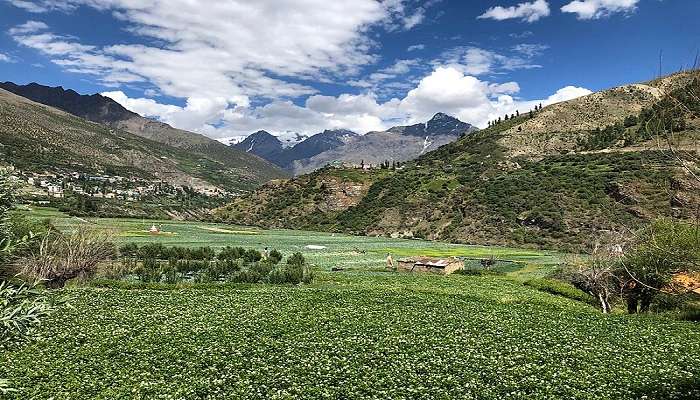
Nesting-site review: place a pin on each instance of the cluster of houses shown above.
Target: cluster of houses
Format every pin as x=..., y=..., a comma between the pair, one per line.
x=60, y=184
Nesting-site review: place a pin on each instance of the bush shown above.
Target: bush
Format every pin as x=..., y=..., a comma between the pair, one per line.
x=690, y=313
x=148, y=271
x=65, y=256
x=275, y=256
x=479, y=272
x=560, y=288
x=21, y=311
x=295, y=271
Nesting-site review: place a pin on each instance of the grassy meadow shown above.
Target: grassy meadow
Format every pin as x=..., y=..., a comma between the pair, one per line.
x=362, y=333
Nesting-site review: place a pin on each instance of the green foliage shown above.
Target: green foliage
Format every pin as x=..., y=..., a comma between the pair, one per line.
x=155, y=262
x=469, y=337
x=690, y=313
x=295, y=271
x=560, y=288
x=661, y=250
x=64, y=256
x=22, y=309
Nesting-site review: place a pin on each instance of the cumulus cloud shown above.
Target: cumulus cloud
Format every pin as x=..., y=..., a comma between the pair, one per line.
x=242, y=66
x=445, y=89
x=526, y=12
x=416, y=47
x=594, y=9
x=252, y=49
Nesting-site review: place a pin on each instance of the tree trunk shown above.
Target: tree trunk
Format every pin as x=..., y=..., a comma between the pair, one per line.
x=632, y=302
x=603, y=304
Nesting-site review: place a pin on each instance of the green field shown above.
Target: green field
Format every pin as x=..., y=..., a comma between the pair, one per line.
x=344, y=251
x=363, y=333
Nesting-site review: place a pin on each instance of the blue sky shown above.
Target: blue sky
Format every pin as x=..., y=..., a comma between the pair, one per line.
x=229, y=68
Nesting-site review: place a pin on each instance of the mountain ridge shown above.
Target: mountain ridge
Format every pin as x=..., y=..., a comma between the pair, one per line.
x=100, y=109
x=399, y=143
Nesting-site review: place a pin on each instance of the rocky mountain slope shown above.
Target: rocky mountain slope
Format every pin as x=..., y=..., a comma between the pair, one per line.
x=401, y=143
x=263, y=145
x=311, y=200
x=242, y=169
x=39, y=138
x=563, y=178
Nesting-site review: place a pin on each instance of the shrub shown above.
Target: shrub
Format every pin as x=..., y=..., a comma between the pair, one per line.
x=295, y=271
x=275, y=256
x=148, y=270
x=690, y=313
x=65, y=256
x=129, y=250
x=478, y=272
x=21, y=310
x=252, y=255
x=560, y=288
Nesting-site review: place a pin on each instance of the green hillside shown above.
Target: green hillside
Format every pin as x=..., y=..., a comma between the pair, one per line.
x=532, y=181
x=39, y=138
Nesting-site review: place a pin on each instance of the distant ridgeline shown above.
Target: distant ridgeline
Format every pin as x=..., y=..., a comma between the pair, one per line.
x=91, y=156
x=555, y=178
x=398, y=144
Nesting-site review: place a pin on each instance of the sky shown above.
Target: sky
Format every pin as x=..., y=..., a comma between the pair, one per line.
x=229, y=68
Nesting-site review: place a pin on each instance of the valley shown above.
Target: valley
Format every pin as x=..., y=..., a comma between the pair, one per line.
x=341, y=200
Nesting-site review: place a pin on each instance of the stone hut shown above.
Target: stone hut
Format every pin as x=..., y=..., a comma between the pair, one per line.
x=443, y=266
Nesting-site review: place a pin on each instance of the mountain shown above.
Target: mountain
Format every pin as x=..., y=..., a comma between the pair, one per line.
x=562, y=177
x=317, y=144
x=311, y=200
x=271, y=148
x=38, y=138
x=242, y=170
x=264, y=145
x=400, y=143
x=441, y=124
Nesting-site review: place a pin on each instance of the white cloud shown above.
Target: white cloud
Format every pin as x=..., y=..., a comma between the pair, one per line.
x=446, y=89
x=236, y=49
x=195, y=116
x=28, y=27
x=527, y=12
x=530, y=50
x=43, y=6
x=594, y=9
x=416, y=47
x=5, y=58
x=377, y=80
x=238, y=64
x=478, y=61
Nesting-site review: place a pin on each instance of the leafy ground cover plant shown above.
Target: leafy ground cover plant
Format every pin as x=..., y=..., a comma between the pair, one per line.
x=353, y=335
x=560, y=288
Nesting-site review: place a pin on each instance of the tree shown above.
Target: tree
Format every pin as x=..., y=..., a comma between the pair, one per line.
x=596, y=276
x=661, y=250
